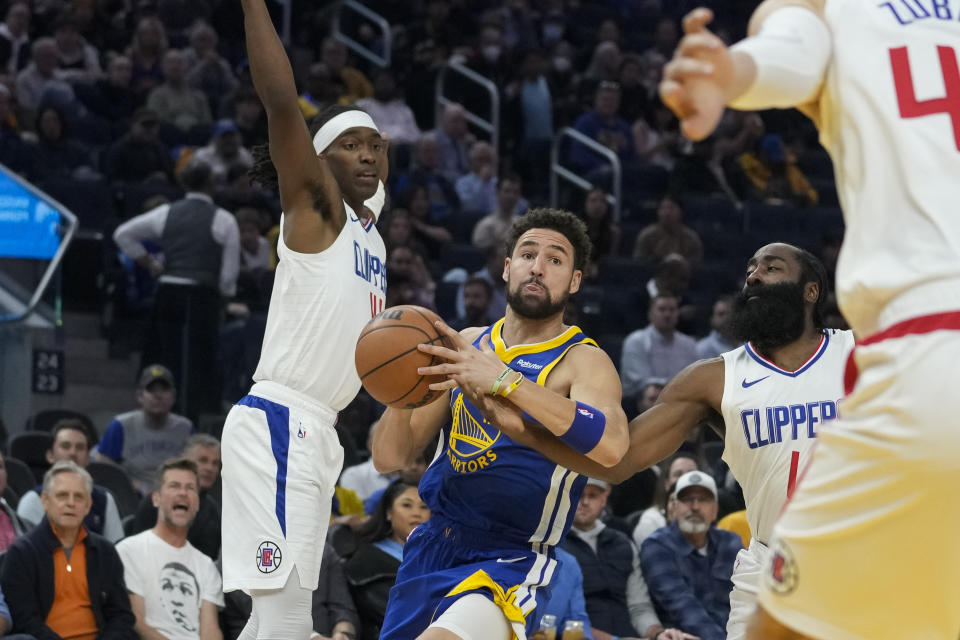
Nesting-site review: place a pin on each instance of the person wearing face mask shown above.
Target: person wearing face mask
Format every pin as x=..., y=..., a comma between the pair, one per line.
x=688, y=565
x=372, y=570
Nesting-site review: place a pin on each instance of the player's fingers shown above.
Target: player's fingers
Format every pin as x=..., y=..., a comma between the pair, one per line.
x=675, y=97
x=439, y=351
x=437, y=370
x=680, y=69
x=698, y=43
x=444, y=386
x=452, y=335
x=697, y=20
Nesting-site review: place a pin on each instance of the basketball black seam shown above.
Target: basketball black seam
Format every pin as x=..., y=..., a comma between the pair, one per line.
x=433, y=360
x=399, y=355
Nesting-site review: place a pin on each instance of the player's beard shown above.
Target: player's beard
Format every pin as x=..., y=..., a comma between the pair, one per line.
x=533, y=308
x=775, y=317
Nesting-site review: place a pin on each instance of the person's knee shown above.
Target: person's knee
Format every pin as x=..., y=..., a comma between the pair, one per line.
x=284, y=613
x=471, y=617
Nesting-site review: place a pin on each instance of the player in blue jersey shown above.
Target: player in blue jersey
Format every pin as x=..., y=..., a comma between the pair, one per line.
x=479, y=567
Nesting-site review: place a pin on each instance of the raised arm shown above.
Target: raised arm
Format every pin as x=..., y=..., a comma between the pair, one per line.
x=691, y=397
x=308, y=189
x=782, y=63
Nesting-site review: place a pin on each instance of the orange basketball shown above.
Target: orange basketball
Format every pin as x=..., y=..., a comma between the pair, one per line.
x=387, y=356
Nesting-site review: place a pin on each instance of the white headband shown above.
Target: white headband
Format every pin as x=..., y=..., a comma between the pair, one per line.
x=332, y=129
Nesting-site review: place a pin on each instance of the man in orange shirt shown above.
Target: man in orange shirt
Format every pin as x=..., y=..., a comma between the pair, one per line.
x=60, y=580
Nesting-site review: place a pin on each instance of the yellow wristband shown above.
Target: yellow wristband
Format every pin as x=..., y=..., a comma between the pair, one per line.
x=513, y=385
x=496, y=384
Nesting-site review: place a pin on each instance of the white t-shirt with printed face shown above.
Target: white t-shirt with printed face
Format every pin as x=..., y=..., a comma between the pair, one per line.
x=173, y=581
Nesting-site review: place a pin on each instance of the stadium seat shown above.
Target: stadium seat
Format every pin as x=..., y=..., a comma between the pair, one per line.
x=114, y=479
x=11, y=497
x=19, y=477
x=31, y=448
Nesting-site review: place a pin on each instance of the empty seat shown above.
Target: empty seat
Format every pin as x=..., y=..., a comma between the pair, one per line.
x=115, y=480
x=19, y=477
x=31, y=449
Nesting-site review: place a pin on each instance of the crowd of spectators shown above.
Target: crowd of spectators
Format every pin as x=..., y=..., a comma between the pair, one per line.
x=142, y=118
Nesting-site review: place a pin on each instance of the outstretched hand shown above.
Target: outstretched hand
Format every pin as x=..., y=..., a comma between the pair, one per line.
x=696, y=80
x=473, y=370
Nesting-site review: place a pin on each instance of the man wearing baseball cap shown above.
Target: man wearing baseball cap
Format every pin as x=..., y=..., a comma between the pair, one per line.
x=142, y=439
x=688, y=564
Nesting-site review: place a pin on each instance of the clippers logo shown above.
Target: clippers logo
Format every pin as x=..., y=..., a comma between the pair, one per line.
x=268, y=557
x=782, y=578
x=584, y=412
x=301, y=433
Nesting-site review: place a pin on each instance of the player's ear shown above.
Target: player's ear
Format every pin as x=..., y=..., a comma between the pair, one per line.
x=506, y=269
x=811, y=292
x=575, y=280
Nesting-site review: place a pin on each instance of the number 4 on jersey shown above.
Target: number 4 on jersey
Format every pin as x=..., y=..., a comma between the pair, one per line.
x=910, y=107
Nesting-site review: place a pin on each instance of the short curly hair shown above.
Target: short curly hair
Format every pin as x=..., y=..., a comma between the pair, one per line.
x=572, y=228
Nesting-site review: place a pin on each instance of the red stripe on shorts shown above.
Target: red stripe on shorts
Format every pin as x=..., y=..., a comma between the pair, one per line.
x=949, y=321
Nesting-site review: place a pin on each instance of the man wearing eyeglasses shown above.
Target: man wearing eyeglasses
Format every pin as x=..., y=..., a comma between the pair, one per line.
x=688, y=565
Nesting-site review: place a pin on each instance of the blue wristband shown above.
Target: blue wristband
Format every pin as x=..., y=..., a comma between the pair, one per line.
x=586, y=429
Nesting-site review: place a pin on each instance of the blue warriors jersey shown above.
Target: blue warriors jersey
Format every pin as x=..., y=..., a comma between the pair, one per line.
x=486, y=481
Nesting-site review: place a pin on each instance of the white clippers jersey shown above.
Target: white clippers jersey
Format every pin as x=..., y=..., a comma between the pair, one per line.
x=772, y=417
x=890, y=118
x=320, y=303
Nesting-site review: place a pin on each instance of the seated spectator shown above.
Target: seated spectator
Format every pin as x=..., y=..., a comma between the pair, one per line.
x=112, y=97
x=42, y=76
x=79, y=61
x=477, y=190
x=146, y=52
x=403, y=263
x=140, y=440
x=443, y=197
x=658, y=350
x=174, y=588
x=224, y=151
x=60, y=580
x=492, y=229
x=688, y=565
x=532, y=115
x=139, y=156
x=603, y=231
x=247, y=112
x=204, y=533
x=477, y=298
x=334, y=614
x=720, y=340
x=209, y=72
x=668, y=235
x=492, y=272
x=238, y=192
x=775, y=176
x=71, y=442
x=616, y=596
x=657, y=141
x=363, y=478
x=397, y=230
x=392, y=115
x=15, y=38
x=59, y=155
x=566, y=594
x=333, y=54
x=254, y=248
x=604, y=124
x=661, y=513
x=321, y=89
x=453, y=143
x=372, y=570
x=430, y=238
x=174, y=101
x=15, y=152
x=11, y=524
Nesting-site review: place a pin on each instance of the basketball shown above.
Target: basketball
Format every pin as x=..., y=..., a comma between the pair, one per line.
x=387, y=356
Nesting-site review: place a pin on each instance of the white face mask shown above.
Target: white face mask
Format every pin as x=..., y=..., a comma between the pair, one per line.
x=491, y=52
x=561, y=64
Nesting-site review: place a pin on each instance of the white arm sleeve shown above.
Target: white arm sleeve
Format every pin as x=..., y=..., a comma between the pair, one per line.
x=376, y=201
x=791, y=52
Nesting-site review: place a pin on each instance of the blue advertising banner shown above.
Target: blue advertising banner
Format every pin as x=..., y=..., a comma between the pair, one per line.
x=29, y=226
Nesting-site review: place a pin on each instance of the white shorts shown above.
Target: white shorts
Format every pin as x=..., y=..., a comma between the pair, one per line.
x=747, y=570
x=281, y=459
x=867, y=549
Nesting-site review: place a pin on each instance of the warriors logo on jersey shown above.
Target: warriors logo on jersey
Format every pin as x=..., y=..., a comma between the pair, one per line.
x=481, y=465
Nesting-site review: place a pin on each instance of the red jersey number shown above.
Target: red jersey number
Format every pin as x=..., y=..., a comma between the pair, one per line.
x=910, y=107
